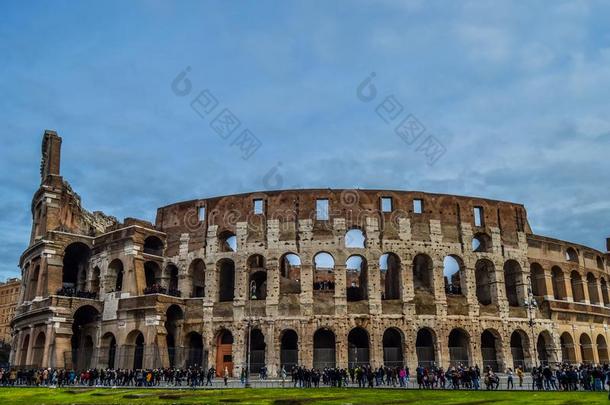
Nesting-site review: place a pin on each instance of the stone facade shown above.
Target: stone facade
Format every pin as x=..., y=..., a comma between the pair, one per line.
x=320, y=277
x=9, y=296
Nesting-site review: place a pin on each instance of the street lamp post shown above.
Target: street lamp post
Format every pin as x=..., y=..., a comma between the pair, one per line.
x=531, y=305
x=251, y=297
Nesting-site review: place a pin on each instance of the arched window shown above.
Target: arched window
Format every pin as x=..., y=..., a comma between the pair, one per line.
x=592, y=288
x=197, y=276
x=423, y=280
x=75, y=264
x=290, y=274
x=538, y=280
x=604, y=288
x=559, y=286
x=459, y=347
x=354, y=238
x=153, y=246
x=324, y=278
x=571, y=255
x=513, y=283
x=226, y=280
x=227, y=242
x=567, y=348
x=389, y=265
x=578, y=293
x=114, y=276
x=485, y=277
x=453, y=270
x=481, y=242
x=356, y=278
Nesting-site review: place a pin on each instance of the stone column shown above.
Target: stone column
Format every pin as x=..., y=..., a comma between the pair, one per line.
x=585, y=289
x=374, y=288
x=568, y=287
x=47, y=345
x=306, y=296
x=29, y=355
x=340, y=289
x=62, y=345
x=548, y=283
x=273, y=288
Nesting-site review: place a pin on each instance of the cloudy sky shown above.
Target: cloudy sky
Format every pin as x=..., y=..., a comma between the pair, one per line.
x=515, y=93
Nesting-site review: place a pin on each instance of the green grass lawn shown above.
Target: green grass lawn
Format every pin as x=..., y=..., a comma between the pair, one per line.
x=278, y=396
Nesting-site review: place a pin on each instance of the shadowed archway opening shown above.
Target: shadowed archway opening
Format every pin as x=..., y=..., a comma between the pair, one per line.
x=324, y=349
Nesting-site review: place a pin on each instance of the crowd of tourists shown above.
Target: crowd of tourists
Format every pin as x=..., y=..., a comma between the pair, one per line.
x=562, y=377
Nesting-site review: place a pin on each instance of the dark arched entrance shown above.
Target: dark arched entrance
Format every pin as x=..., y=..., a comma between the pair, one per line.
x=424, y=346
x=358, y=347
x=289, y=350
x=324, y=349
x=393, y=348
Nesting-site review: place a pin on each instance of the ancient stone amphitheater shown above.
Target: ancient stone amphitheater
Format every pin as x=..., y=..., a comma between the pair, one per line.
x=318, y=277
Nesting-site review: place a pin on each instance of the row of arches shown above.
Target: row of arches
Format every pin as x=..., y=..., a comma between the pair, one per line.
x=597, y=289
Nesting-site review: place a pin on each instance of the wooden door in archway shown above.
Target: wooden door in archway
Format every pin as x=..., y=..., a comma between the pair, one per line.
x=224, y=353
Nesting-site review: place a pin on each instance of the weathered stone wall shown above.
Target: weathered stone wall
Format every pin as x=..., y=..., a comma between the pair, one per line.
x=175, y=303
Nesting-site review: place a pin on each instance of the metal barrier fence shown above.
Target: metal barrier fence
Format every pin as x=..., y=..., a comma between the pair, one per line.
x=323, y=358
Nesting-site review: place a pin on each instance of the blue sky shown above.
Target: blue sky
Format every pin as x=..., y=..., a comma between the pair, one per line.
x=516, y=92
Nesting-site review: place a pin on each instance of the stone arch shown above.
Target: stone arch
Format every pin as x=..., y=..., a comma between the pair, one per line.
x=197, y=277
x=289, y=349
x=481, y=243
x=571, y=255
x=423, y=274
x=358, y=347
x=599, y=262
x=84, y=327
x=513, y=283
x=153, y=245
x=391, y=279
x=459, y=347
x=485, y=278
x=602, y=349
x=453, y=275
x=24, y=350
x=257, y=277
x=559, y=286
x=393, y=347
x=566, y=342
x=257, y=349
x=425, y=347
x=592, y=289
x=226, y=280
x=578, y=293
x=108, y=352
x=491, y=349
x=227, y=242
x=355, y=238
x=538, y=280
x=114, y=276
x=153, y=276
x=290, y=273
x=193, y=342
x=586, y=349
x=519, y=348
x=324, y=345
x=356, y=278
x=38, y=350
x=172, y=272
x=545, y=348
x=134, y=350
x=324, y=277
x=75, y=265
x=174, y=318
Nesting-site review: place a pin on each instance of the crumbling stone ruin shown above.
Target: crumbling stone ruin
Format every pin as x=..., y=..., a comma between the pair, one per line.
x=319, y=277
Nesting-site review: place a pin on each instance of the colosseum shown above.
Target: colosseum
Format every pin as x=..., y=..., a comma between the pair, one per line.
x=317, y=277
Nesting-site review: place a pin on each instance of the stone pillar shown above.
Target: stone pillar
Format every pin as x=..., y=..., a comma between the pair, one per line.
x=340, y=289
x=374, y=288
x=47, y=345
x=28, y=359
x=568, y=287
x=306, y=296
x=548, y=284
x=585, y=289
x=375, y=345
x=272, y=351
x=62, y=345
x=306, y=333
x=273, y=288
